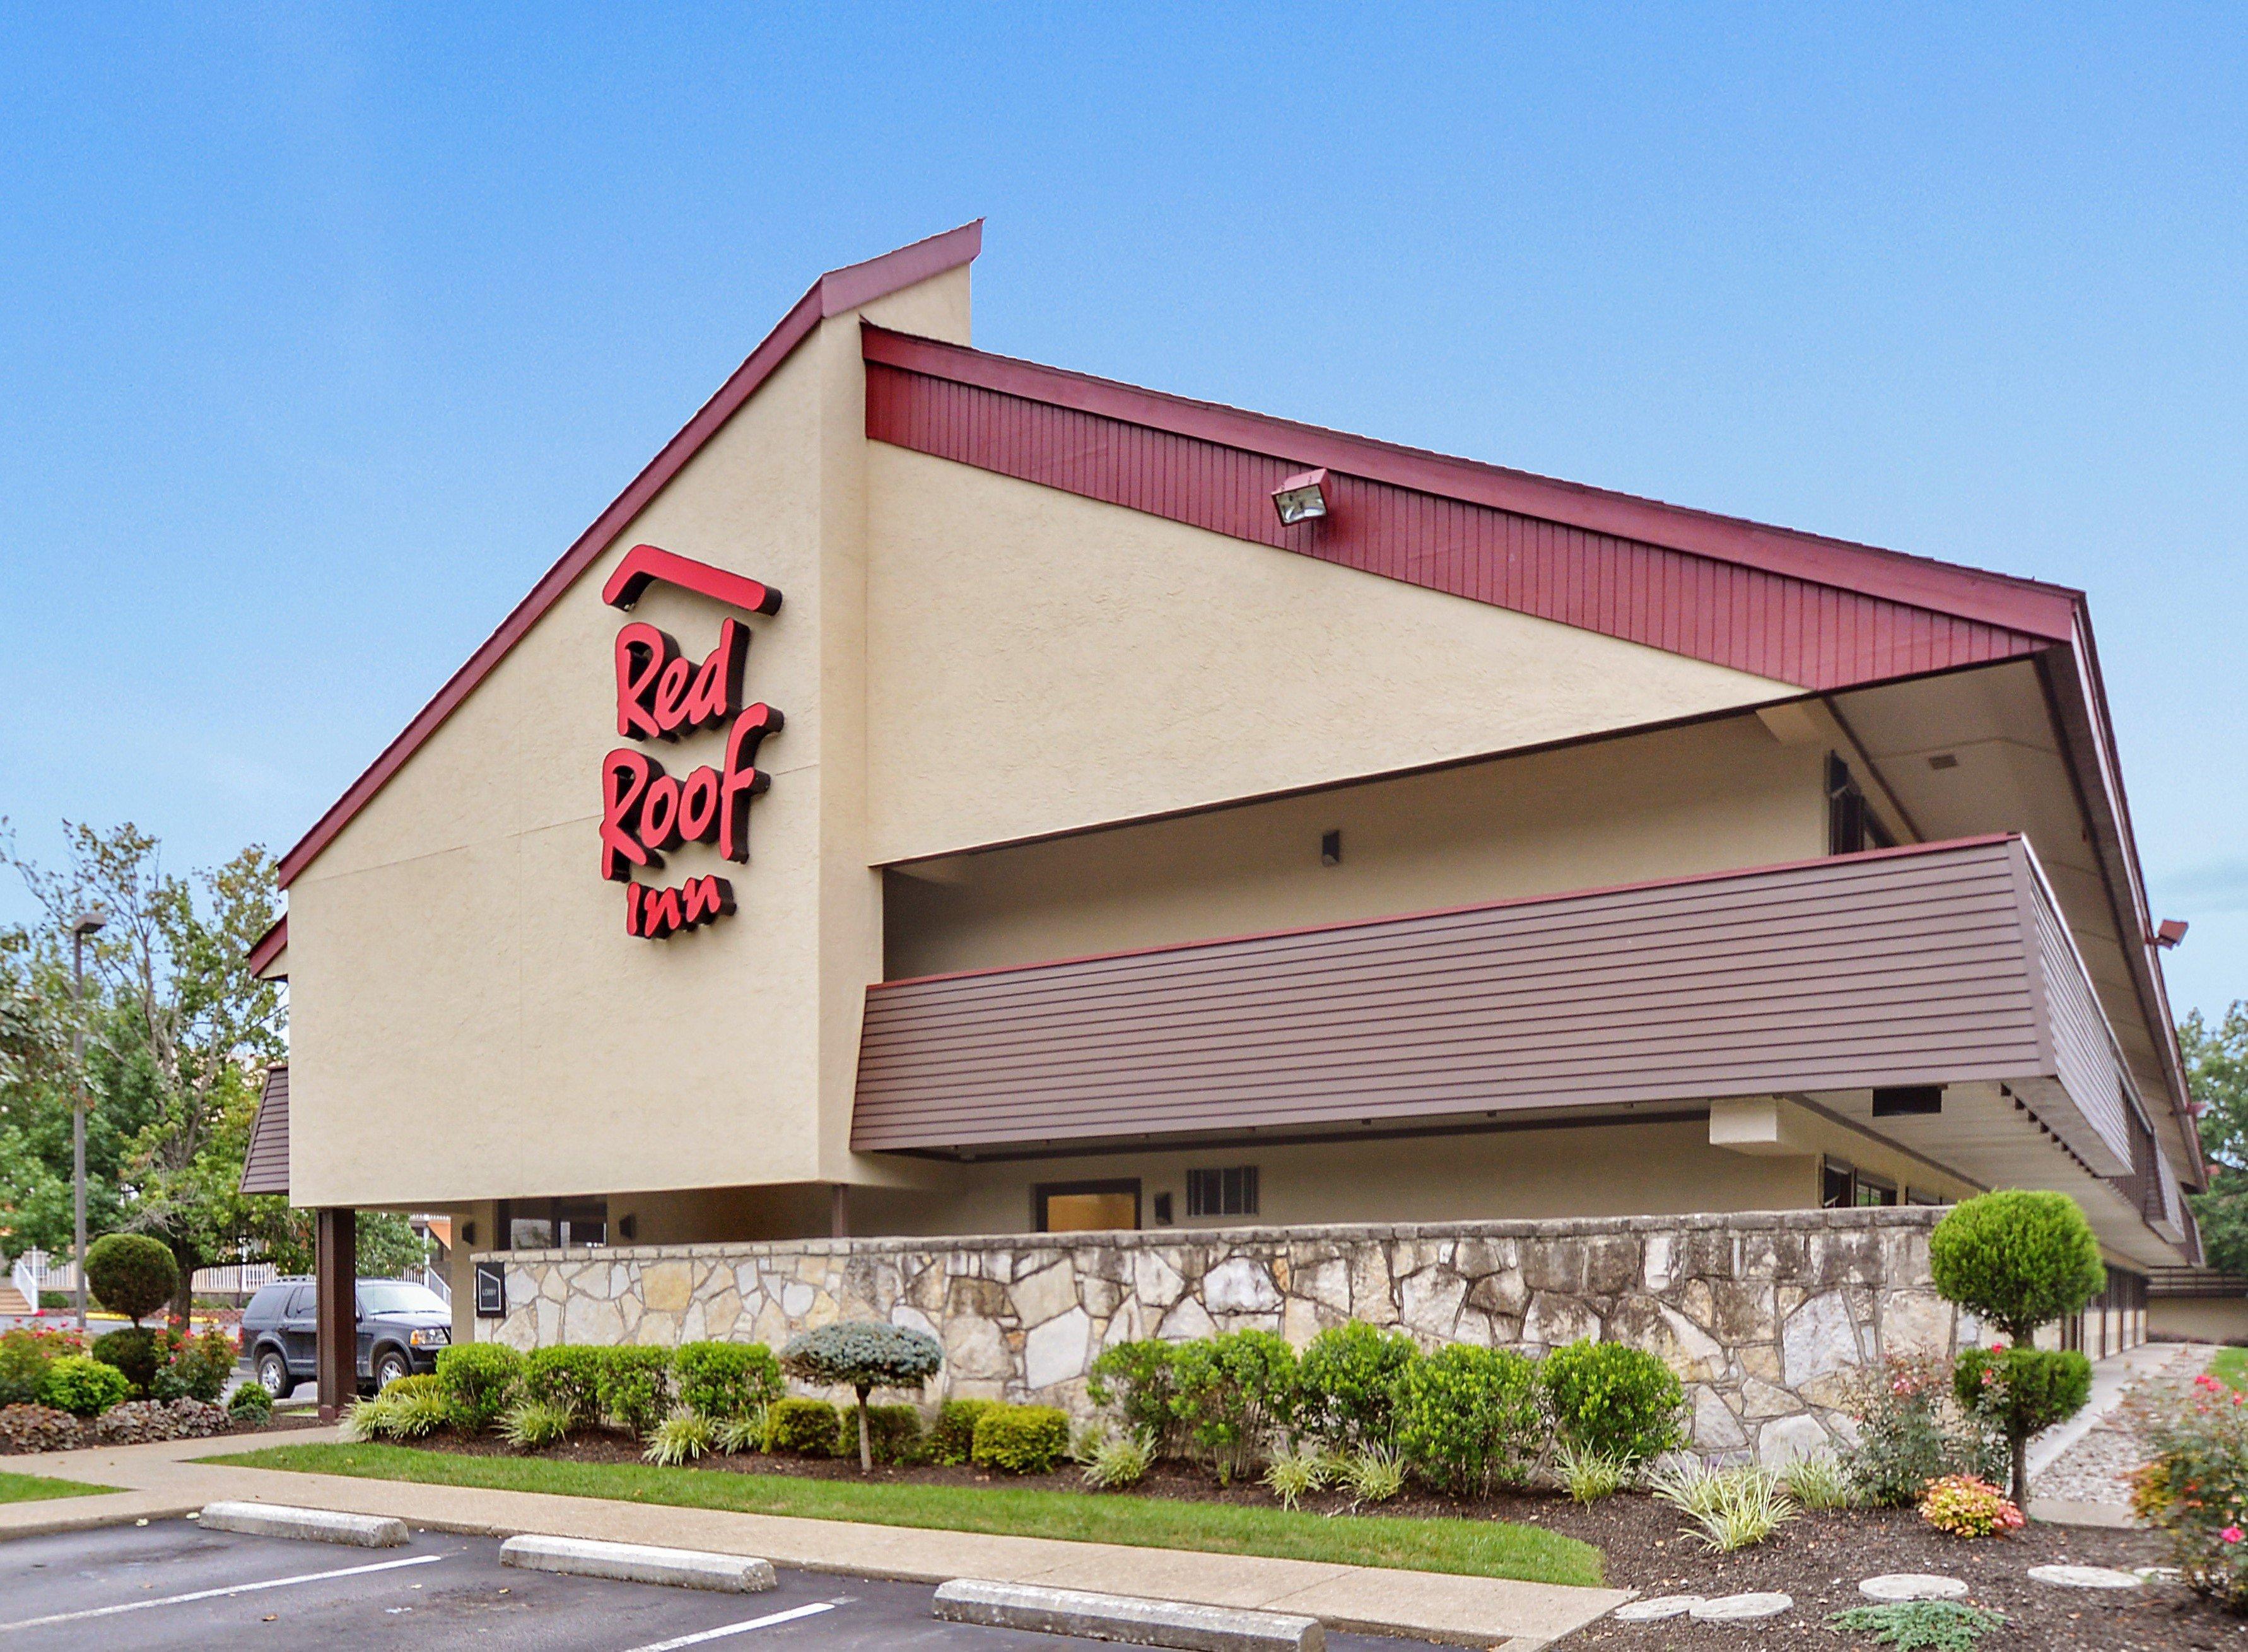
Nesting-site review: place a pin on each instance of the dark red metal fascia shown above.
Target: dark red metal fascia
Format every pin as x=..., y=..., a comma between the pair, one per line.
x=833, y=294
x=270, y=946
x=2046, y=612
x=1687, y=881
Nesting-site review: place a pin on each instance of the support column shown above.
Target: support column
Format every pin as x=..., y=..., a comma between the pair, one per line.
x=335, y=1276
x=839, y=1210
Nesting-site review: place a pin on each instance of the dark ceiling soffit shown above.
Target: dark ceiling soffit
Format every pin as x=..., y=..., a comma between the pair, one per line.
x=270, y=946
x=833, y=294
x=2036, y=609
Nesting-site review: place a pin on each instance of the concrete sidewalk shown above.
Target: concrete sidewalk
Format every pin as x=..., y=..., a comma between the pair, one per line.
x=160, y=1482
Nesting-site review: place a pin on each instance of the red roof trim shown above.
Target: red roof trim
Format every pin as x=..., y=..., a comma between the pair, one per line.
x=833, y=294
x=1445, y=912
x=2028, y=605
x=270, y=946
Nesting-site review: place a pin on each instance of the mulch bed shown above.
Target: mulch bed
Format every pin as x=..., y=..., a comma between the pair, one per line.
x=1817, y=1558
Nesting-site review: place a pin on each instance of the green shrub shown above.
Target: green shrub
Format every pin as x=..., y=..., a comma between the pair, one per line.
x=251, y=1403
x=1619, y=1400
x=136, y=1351
x=2020, y=1392
x=568, y=1377
x=197, y=1369
x=1021, y=1439
x=862, y=1356
x=1139, y=1382
x=1589, y=1476
x=681, y=1437
x=407, y=1387
x=1233, y=1390
x=1295, y=1473
x=480, y=1377
x=725, y=1380
x=632, y=1388
x=1371, y=1474
x=743, y=1433
x=2194, y=1491
x=1735, y=1507
x=23, y=1367
x=1467, y=1418
x=2017, y=1259
x=131, y=1274
x=86, y=1387
x=420, y=1410
x=528, y=1425
x=1911, y=1431
x=1346, y=1385
x=1118, y=1460
x=953, y=1439
x=809, y=1427
x=895, y=1434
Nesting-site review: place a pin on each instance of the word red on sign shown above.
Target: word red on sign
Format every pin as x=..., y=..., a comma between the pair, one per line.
x=663, y=694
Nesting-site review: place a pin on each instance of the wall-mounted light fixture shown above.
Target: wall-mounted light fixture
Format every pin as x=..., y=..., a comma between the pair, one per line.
x=2169, y=932
x=1301, y=498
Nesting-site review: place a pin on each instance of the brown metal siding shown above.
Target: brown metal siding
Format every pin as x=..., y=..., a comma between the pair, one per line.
x=1791, y=629
x=1894, y=968
x=2084, y=1055
x=265, y=1166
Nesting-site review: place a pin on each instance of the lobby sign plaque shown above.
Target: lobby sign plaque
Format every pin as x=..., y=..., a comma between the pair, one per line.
x=665, y=694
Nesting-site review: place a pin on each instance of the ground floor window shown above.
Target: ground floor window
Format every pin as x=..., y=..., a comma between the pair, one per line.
x=1086, y=1207
x=1231, y=1191
x=1843, y=1187
x=547, y=1224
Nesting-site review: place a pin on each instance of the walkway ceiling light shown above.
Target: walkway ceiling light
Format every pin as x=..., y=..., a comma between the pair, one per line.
x=1301, y=498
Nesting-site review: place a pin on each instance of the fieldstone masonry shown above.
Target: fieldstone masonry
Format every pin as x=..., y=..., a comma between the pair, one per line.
x=1767, y=1317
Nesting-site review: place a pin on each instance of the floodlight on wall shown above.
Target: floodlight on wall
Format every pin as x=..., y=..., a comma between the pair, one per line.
x=2169, y=932
x=1301, y=498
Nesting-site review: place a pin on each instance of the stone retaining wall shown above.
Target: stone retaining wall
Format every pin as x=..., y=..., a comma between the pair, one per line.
x=1766, y=1316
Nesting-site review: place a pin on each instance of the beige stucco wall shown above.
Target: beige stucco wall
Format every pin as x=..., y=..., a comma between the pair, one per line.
x=2198, y=1319
x=1664, y=804
x=1040, y=662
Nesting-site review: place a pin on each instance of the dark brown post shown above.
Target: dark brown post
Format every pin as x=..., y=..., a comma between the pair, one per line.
x=839, y=1210
x=335, y=1274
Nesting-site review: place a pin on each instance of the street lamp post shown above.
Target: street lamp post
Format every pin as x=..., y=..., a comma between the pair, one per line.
x=86, y=923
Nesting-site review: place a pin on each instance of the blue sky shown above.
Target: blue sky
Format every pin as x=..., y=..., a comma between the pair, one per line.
x=322, y=335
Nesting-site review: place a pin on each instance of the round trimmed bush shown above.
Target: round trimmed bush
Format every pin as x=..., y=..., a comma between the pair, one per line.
x=632, y=1388
x=131, y=1274
x=1021, y=1439
x=2022, y=1392
x=722, y=1381
x=1346, y=1385
x=2017, y=1259
x=1618, y=1400
x=1467, y=1418
x=895, y=1432
x=251, y=1403
x=86, y=1387
x=568, y=1377
x=810, y=1428
x=480, y=1377
x=953, y=1440
x=863, y=1355
x=136, y=1351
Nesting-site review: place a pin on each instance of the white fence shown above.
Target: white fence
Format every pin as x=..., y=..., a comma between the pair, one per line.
x=35, y=1271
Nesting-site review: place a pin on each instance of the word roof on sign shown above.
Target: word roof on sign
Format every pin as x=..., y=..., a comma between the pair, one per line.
x=663, y=694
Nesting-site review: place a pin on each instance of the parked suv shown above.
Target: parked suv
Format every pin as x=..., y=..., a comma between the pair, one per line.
x=401, y=1327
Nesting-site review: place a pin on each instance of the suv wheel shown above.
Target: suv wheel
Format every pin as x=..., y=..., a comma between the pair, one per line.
x=273, y=1374
x=389, y=1365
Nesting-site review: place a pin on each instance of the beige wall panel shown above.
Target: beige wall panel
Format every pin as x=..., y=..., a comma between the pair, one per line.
x=1700, y=798
x=1040, y=662
x=2185, y=1319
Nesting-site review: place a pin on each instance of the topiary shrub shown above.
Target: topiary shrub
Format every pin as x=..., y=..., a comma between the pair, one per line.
x=1467, y=1418
x=723, y=1381
x=1021, y=1439
x=632, y=1388
x=197, y=1369
x=1140, y=1381
x=894, y=1433
x=2020, y=1392
x=131, y=1274
x=953, y=1440
x=86, y=1387
x=567, y=1378
x=2017, y=1259
x=863, y=1355
x=251, y=1404
x=1234, y=1389
x=1619, y=1400
x=1346, y=1385
x=481, y=1377
x=136, y=1351
x=809, y=1427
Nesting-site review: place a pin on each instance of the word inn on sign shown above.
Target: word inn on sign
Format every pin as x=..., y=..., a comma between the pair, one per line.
x=664, y=694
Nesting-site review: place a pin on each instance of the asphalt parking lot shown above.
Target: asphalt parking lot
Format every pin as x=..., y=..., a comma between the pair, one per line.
x=171, y=1584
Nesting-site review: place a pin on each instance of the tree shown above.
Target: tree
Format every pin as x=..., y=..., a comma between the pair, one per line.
x=2217, y=1072
x=863, y=1357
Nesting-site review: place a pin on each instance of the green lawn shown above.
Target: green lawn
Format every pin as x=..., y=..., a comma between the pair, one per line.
x=29, y=1488
x=1478, y=1548
x=2231, y=1365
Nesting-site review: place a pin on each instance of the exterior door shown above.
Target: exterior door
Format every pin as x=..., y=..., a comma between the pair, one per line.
x=1088, y=1207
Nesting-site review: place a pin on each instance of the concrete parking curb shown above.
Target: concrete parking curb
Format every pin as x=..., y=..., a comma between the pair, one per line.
x=314, y=1525
x=1122, y=1617
x=639, y=1563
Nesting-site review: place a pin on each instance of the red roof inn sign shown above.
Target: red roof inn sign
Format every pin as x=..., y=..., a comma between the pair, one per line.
x=663, y=694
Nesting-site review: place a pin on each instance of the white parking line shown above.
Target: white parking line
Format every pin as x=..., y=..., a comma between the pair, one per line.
x=723, y=1631
x=212, y=1594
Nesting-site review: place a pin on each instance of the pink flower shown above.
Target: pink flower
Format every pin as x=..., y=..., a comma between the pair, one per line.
x=2233, y=1534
